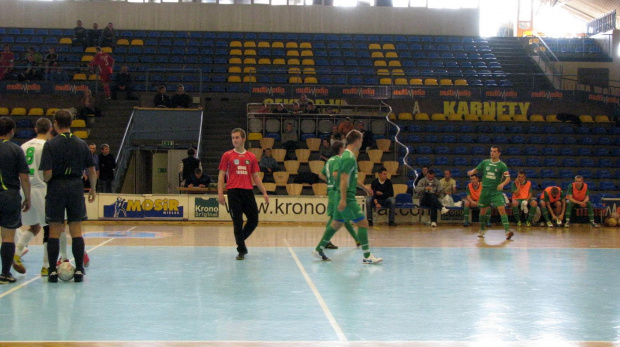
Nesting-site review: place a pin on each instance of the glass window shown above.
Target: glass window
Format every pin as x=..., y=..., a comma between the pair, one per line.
x=278, y=2
x=400, y=3
x=261, y=2
x=417, y=3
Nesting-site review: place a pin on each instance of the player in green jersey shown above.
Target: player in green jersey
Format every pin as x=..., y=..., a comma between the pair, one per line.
x=348, y=210
x=495, y=176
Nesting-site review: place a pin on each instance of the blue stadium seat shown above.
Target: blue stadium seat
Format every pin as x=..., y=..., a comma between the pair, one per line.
x=566, y=130
x=564, y=185
x=599, y=131
x=424, y=150
x=607, y=185
x=514, y=162
x=477, y=160
x=517, y=139
x=478, y=150
x=500, y=139
x=605, y=162
x=530, y=173
x=459, y=162
x=569, y=140
x=513, y=151
x=604, y=141
x=413, y=139
x=569, y=162
x=448, y=139
x=548, y=173
x=537, y=140
x=584, y=152
x=461, y=150
x=441, y=161
x=532, y=162
x=534, y=129
x=583, y=130
x=566, y=174
x=586, y=140
x=549, y=151
x=466, y=139
x=567, y=151
x=586, y=173
x=442, y=150
x=601, y=152
x=500, y=129
x=603, y=174
x=423, y=161
x=483, y=139
x=586, y=162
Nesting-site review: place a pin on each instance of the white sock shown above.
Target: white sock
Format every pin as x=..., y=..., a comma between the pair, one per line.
x=46, y=259
x=23, y=241
x=18, y=234
x=63, y=245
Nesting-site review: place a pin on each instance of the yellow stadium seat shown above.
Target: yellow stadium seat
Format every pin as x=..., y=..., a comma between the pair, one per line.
x=137, y=42
x=391, y=166
x=374, y=155
x=249, y=69
x=264, y=61
x=601, y=119
x=308, y=70
x=394, y=63
x=278, y=153
x=249, y=44
x=504, y=118
x=292, y=53
x=87, y=58
x=380, y=63
x=18, y=111
x=445, y=82
x=552, y=118
x=249, y=79
x=391, y=55
x=293, y=61
x=400, y=188
x=384, y=144
x=405, y=116
x=292, y=45
x=79, y=77
x=294, y=79
x=421, y=116
x=455, y=117
x=305, y=45
x=255, y=137
x=267, y=142
x=487, y=118
x=400, y=81
x=234, y=79
x=416, y=82
x=313, y=143
x=90, y=50
x=277, y=44
x=294, y=189
x=472, y=117
x=249, y=61
x=537, y=118
x=122, y=42
x=234, y=61
x=521, y=118
x=294, y=70
x=319, y=189
x=365, y=166
x=584, y=118
x=82, y=134
x=385, y=80
x=377, y=55
x=392, y=116
x=35, y=111
x=93, y=77
x=4, y=111
x=430, y=82
x=302, y=154
x=249, y=52
x=236, y=52
x=263, y=44
x=374, y=46
x=310, y=80
x=438, y=116
x=65, y=41
x=383, y=72
x=279, y=61
x=78, y=123
x=307, y=62
x=388, y=46
x=398, y=72
x=460, y=82
x=106, y=49
x=307, y=53
x=270, y=187
x=51, y=111
x=236, y=44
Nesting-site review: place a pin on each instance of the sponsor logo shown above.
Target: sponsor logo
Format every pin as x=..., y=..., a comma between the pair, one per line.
x=147, y=208
x=207, y=208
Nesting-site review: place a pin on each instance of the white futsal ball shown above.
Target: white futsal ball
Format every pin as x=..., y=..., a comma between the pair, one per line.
x=65, y=270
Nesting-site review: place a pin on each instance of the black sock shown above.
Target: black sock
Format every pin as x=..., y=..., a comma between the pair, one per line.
x=77, y=246
x=53, y=248
x=46, y=233
x=7, y=251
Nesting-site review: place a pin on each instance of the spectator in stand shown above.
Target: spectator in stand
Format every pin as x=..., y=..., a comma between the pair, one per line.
x=93, y=148
x=189, y=165
x=108, y=36
x=279, y=109
x=421, y=175
x=268, y=164
x=303, y=100
x=336, y=136
x=104, y=63
x=264, y=109
x=345, y=126
x=80, y=35
x=325, y=151
x=161, y=98
x=57, y=74
x=367, y=136
x=180, y=99
x=123, y=83
x=447, y=187
x=50, y=58
x=198, y=180
x=32, y=72
x=383, y=196
x=289, y=140
x=295, y=110
x=311, y=109
x=427, y=191
x=94, y=35
x=88, y=106
x=7, y=61
x=107, y=164
x=473, y=190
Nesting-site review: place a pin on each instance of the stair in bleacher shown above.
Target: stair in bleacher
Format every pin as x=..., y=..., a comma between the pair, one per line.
x=111, y=127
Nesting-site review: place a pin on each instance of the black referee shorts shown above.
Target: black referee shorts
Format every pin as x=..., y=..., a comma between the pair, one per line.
x=65, y=194
x=10, y=209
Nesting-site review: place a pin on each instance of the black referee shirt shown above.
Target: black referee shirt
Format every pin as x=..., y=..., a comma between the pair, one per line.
x=66, y=155
x=12, y=163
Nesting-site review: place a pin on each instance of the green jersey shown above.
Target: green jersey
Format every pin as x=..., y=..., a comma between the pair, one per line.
x=492, y=173
x=348, y=165
x=329, y=168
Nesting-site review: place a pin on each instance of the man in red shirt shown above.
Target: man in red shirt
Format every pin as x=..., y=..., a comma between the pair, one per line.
x=105, y=64
x=6, y=62
x=239, y=167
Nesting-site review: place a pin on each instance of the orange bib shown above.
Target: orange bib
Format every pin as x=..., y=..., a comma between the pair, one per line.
x=523, y=190
x=579, y=195
x=474, y=193
x=551, y=198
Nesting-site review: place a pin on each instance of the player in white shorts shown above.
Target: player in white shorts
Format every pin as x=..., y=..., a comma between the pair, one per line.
x=35, y=217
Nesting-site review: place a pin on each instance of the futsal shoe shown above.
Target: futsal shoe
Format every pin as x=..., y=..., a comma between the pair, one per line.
x=509, y=235
x=391, y=224
x=86, y=259
x=78, y=276
x=18, y=265
x=44, y=271
x=567, y=225
x=370, y=223
x=372, y=260
x=594, y=225
x=466, y=224
x=7, y=278
x=53, y=277
x=241, y=255
x=550, y=224
x=61, y=260
x=528, y=224
x=444, y=210
x=481, y=233
x=320, y=255
x=433, y=224
x=519, y=223
x=330, y=245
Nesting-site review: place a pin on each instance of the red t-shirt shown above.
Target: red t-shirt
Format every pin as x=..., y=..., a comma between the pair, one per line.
x=104, y=62
x=239, y=168
x=6, y=59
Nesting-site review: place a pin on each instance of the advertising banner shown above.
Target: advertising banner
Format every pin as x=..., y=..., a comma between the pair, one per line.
x=42, y=87
x=146, y=207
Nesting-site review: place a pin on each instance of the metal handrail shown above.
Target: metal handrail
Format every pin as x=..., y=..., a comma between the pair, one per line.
x=396, y=141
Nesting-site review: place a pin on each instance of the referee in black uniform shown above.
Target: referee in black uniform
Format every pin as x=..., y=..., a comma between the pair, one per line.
x=64, y=159
x=13, y=170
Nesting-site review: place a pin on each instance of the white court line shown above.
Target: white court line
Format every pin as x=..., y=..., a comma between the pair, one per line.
x=319, y=298
x=22, y=285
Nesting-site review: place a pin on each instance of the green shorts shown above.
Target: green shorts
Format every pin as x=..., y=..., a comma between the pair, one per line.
x=332, y=202
x=352, y=213
x=491, y=197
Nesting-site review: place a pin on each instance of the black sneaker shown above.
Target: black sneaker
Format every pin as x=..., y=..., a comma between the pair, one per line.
x=78, y=276
x=241, y=255
x=53, y=277
x=7, y=278
x=392, y=224
x=320, y=255
x=330, y=245
x=369, y=223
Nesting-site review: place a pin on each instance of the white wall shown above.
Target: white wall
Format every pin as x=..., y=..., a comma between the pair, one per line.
x=258, y=18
